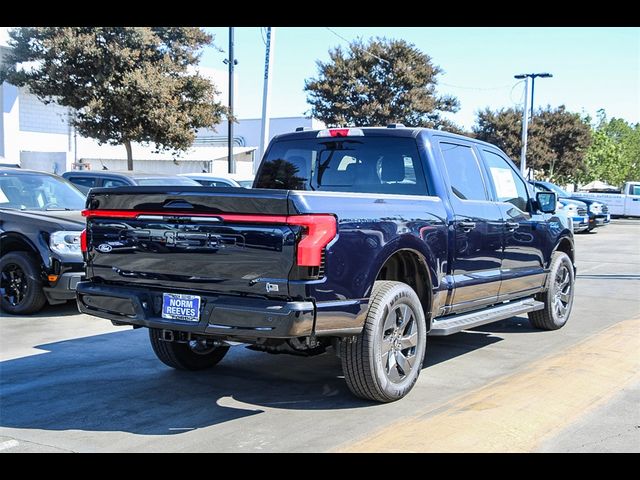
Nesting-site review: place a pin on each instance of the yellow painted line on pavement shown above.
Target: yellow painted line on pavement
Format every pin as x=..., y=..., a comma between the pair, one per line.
x=515, y=413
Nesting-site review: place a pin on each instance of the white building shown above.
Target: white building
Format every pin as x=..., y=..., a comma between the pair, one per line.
x=39, y=136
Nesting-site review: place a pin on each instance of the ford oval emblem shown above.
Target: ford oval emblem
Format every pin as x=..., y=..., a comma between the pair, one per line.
x=105, y=247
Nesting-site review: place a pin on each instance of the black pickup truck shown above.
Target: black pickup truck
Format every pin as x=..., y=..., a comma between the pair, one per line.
x=362, y=239
x=40, y=226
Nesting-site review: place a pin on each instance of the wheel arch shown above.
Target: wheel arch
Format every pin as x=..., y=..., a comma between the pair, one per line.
x=566, y=245
x=16, y=242
x=410, y=266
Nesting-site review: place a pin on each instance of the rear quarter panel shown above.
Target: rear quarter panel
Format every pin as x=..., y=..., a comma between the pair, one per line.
x=371, y=228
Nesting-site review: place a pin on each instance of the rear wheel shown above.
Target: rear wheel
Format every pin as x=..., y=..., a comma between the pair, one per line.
x=384, y=362
x=192, y=355
x=558, y=297
x=20, y=284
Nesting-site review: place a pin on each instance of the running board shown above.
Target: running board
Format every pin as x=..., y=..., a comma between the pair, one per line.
x=455, y=323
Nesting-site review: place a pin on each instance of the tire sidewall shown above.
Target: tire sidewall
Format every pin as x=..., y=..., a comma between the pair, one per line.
x=402, y=294
x=561, y=259
x=34, y=284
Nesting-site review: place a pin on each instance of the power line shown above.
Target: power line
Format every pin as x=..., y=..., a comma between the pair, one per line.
x=473, y=88
x=350, y=43
x=521, y=96
x=262, y=35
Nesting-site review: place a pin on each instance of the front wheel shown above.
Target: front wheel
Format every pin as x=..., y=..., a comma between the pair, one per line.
x=384, y=361
x=20, y=284
x=558, y=296
x=192, y=355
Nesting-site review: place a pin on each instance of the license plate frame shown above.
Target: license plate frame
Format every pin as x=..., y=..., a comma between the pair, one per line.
x=180, y=306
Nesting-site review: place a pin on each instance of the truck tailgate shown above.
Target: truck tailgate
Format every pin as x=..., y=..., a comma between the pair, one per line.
x=229, y=241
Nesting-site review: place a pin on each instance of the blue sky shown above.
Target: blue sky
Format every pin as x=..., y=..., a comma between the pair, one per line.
x=593, y=68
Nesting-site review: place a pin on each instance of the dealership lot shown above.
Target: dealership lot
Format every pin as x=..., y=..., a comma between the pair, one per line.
x=69, y=382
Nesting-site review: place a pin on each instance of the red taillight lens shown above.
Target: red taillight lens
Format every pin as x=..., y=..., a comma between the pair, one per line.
x=83, y=240
x=321, y=229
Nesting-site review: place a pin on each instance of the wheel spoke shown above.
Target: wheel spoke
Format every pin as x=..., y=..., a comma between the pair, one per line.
x=565, y=297
x=409, y=340
x=405, y=362
x=392, y=367
x=405, y=315
x=390, y=321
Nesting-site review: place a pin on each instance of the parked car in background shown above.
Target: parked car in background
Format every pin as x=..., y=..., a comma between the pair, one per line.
x=40, y=227
x=598, y=211
x=215, y=180
x=623, y=204
x=574, y=210
x=9, y=165
x=88, y=179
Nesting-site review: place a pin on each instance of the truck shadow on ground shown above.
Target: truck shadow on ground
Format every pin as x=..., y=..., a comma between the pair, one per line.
x=61, y=310
x=113, y=382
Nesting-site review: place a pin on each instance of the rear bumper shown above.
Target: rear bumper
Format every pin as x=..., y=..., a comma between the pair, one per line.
x=220, y=315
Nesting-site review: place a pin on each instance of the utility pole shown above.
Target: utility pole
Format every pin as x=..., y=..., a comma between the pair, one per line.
x=525, y=126
x=268, y=62
x=525, y=116
x=232, y=63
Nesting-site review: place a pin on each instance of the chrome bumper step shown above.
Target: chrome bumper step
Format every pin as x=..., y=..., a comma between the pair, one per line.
x=464, y=321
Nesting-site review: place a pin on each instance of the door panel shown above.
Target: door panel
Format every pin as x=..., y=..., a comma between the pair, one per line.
x=476, y=255
x=522, y=262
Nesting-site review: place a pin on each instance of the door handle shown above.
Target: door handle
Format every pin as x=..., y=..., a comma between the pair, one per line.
x=511, y=226
x=467, y=226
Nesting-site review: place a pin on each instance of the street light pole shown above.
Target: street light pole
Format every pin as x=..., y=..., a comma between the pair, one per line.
x=268, y=62
x=525, y=116
x=232, y=63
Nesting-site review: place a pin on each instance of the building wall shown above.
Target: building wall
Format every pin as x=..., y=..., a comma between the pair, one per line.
x=36, y=116
x=31, y=130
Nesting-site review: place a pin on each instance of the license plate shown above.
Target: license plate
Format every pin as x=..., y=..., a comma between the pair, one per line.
x=176, y=306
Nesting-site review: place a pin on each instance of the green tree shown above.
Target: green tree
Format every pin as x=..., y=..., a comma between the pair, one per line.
x=614, y=155
x=556, y=145
x=377, y=83
x=125, y=84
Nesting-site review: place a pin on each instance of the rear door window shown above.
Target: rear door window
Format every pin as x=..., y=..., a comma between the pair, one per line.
x=464, y=171
x=353, y=164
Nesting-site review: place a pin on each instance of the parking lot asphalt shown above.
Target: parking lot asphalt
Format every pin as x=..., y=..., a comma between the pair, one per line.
x=74, y=383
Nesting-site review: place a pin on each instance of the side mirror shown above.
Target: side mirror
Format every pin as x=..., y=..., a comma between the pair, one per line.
x=546, y=202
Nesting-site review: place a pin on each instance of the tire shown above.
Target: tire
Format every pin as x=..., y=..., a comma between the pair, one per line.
x=560, y=288
x=185, y=356
x=395, y=320
x=20, y=284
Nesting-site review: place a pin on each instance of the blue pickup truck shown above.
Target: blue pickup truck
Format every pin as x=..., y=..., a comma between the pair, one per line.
x=363, y=240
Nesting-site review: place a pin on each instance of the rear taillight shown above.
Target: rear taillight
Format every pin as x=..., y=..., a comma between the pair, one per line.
x=341, y=132
x=319, y=231
x=83, y=241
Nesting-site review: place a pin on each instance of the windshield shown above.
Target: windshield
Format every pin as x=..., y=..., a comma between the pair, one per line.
x=554, y=188
x=38, y=192
x=349, y=164
x=165, y=181
x=246, y=183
